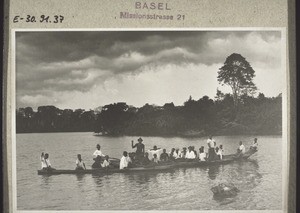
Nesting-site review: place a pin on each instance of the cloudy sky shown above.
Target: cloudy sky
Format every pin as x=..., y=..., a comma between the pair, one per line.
x=91, y=69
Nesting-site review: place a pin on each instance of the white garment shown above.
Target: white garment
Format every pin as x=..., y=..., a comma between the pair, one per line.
x=42, y=161
x=98, y=152
x=45, y=162
x=124, y=162
x=152, y=152
x=177, y=155
x=220, y=154
x=242, y=148
x=255, y=144
x=105, y=163
x=211, y=142
x=190, y=155
x=202, y=156
x=80, y=164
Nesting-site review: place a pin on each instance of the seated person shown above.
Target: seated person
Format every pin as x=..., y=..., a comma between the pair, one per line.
x=255, y=144
x=46, y=165
x=202, y=154
x=153, y=151
x=183, y=153
x=155, y=159
x=146, y=159
x=125, y=161
x=97, y=163
x=178, y=153
x=98, y=152
x=173, y=154
x=80, y=165
x=190, y=154
x=242, y=148
x=219, y=154
x=164, y=156
x=221, y=149
x=106, y=162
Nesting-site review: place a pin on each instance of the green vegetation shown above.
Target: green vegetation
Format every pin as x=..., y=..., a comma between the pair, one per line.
x=260, y=115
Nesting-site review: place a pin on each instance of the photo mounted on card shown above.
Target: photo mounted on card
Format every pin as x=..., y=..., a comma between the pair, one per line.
x=148, y=109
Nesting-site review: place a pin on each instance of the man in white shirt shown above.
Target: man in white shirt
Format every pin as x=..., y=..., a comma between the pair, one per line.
x=242, y=148
x=98, y=152
x=255, y=144
x=106, y=162
x=155, y=150
x=190, y=154
x=211, y=148
x=125, y=160
x=202, y=154
x=46, y=162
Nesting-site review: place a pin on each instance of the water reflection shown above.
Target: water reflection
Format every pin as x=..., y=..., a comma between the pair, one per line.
x=213, y=171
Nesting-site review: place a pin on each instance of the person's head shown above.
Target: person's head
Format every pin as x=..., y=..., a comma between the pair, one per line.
x=192, y=147
x=255, y=140
x=155, y=155
x=125, y=154
x=146, y=154
x=217, y=149
x=184, y=148
x=155, y=147
x=210, y=136
x=201, y=150
x=173, y=150
x=42, y=154
x=79, y=156
x=106, y=157
x=221, y=146
x=46, y=156
x=164, y=150
x=241, y=142
x=140, y=140
x=98, y=146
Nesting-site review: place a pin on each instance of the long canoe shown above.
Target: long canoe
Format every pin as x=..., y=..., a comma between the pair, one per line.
x=161, y=167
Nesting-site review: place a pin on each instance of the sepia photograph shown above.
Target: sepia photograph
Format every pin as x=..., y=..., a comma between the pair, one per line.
x=175, y=119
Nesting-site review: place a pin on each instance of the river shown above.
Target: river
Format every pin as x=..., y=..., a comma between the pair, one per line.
x=259, y=179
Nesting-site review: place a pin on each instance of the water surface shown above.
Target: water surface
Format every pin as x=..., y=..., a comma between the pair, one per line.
x=258, y=179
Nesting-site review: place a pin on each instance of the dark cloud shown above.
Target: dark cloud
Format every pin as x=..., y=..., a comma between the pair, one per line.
x=76, y=61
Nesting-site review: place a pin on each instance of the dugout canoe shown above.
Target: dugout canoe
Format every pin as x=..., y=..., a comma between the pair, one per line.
x=106, y=170
x=159, y=168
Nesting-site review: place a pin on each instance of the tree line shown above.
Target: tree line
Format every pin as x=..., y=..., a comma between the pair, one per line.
x=236, y=113
x=255, y=115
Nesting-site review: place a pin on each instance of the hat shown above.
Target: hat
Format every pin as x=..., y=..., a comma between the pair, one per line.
x=140, y=139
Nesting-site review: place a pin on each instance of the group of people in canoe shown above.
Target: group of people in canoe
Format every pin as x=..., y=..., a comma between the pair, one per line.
x=153, y=156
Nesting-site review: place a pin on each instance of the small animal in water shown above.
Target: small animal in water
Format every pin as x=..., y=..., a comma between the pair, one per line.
x=225, y=190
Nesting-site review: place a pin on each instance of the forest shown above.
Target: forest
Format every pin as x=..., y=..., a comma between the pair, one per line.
x=254, y=115
x=239, y=112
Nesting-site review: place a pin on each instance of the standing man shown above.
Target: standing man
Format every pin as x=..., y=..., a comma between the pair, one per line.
x=140, y=149
x=211, y=148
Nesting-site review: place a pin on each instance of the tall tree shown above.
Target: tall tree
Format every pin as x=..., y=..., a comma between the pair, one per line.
x=238, y=74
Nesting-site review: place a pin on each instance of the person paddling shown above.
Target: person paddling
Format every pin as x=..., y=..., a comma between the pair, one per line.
x=80, y=165
x=140, y=149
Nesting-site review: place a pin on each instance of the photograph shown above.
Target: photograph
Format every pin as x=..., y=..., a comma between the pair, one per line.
x=150, y=119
